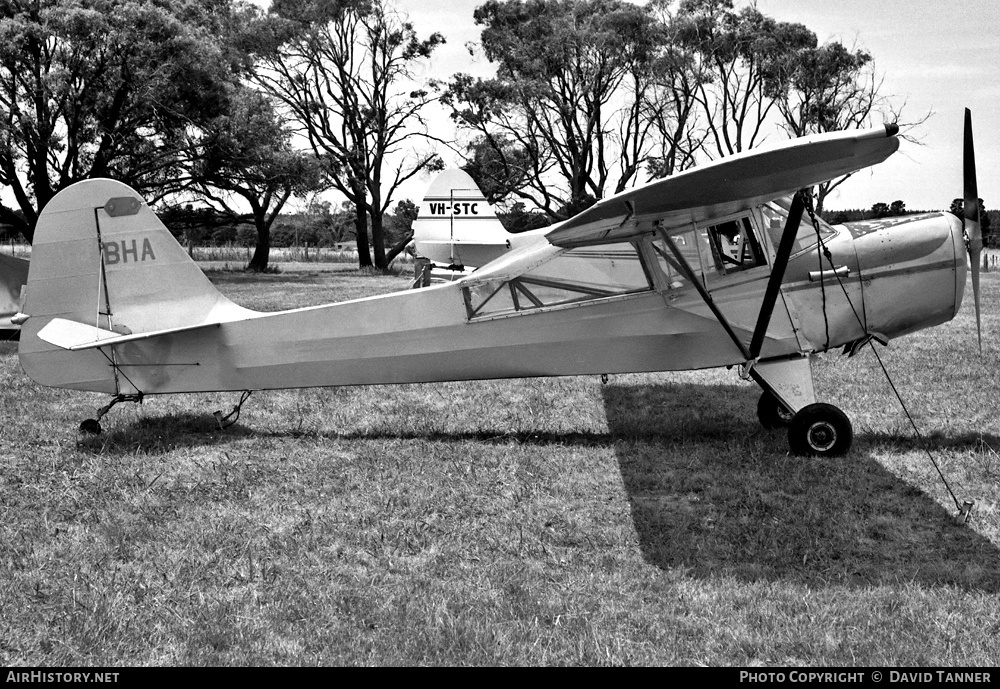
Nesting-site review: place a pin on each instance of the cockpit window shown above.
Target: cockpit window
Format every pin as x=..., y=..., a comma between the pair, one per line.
x=677, y=278
x=734, y=246
x=711, y=251
x=775, y=216
x=577, y=275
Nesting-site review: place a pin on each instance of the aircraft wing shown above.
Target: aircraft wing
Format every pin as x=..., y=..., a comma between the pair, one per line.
x=729, y=185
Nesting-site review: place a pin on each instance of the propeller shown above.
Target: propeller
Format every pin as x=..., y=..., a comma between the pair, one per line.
x=971, y=215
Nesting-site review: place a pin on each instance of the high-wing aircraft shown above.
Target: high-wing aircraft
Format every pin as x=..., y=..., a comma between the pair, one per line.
x=722, y=265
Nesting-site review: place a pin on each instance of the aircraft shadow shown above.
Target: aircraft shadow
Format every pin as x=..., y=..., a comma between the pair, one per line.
x=153, y=433
x=715, y=494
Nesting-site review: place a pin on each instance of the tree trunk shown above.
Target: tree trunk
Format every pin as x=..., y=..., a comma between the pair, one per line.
x=378, y=242
x=262, y=250
x=398, y=247
x=361, y=230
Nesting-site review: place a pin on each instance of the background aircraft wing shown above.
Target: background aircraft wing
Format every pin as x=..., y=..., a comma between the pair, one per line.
x=729, y=185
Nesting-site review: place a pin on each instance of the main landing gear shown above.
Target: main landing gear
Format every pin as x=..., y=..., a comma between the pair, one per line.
x=771, y=412
x=789, y=401
x=817, y=429
x=821, y=430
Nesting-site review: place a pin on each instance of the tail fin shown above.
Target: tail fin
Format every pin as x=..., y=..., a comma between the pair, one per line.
x=456, y=225
x=101, y=258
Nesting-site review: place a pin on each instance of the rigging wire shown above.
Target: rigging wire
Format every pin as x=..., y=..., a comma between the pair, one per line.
x=825, y=251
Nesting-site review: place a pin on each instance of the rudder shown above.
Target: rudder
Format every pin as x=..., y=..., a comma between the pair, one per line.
x=456, y=225
x=102, y=258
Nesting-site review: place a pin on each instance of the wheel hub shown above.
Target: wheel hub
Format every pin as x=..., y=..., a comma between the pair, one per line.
x=821, y=436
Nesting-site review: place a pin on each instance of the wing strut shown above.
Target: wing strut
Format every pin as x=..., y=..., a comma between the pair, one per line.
x=777, y=274
x=773, y=286
x=696, y=281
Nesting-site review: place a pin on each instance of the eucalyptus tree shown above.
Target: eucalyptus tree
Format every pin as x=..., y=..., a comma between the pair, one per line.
x=744, y=59
x=106, y=88
x=671, y=101
x=563, y=121
x=344, y=72
x=246, y=155
x=832, y=88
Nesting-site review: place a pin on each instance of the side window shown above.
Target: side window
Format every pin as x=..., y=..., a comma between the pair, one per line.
x=688, y=248
x=734, y=246
x=576, y=275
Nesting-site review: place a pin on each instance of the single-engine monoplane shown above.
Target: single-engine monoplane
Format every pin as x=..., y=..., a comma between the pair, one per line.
x=721, y=265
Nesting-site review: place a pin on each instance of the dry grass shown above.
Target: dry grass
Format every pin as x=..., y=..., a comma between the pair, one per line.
x=650, y=521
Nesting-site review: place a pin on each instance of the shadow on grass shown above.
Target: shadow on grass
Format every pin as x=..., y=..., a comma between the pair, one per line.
x=940, y=440
x=242, y=277
x=161, y=433
x=714, y=493
x=723, y=497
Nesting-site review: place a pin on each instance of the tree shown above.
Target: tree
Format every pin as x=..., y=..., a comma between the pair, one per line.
x=344, y=71
x=105, y=88
x=519, y=219
x=742, y=59
x=830, y=88
x=498, y=166
x=880, y=210
x=985, y=219
x=399, y=228
x=670, y=102
x=562, y=123
x=247, y=154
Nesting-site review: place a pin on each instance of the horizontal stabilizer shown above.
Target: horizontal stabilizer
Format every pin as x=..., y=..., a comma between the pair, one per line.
x=79, y=336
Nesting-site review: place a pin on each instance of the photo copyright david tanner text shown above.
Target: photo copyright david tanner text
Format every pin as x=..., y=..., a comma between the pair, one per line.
x=891, y=676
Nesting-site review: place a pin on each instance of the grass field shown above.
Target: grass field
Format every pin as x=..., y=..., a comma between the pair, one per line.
x=649, y=521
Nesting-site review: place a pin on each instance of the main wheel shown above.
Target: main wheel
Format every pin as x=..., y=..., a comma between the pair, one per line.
x=821, y=430
x=771, y=412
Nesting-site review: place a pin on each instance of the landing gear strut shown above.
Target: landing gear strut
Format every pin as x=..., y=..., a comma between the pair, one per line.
x=821, y=430
x=93, y=426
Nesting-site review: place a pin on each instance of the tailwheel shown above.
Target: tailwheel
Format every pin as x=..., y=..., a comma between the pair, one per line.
x=820, y=430
x=90, y=427
x=771, y=412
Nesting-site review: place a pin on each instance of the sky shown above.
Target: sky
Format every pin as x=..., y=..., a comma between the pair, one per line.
x=939, y=57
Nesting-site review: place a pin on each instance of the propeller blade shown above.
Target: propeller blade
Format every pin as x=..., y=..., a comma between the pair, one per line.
x=971, y=215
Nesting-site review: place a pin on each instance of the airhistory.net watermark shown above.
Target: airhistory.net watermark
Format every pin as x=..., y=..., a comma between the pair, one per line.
x=61, y=677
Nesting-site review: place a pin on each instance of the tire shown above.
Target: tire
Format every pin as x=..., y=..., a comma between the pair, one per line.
x=771, y=412
x=820, y=430
x=90, y=427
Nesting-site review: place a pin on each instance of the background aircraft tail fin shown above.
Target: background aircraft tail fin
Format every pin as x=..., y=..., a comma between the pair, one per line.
x=102, y=258
x=457, y=225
